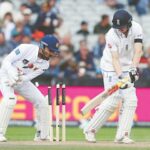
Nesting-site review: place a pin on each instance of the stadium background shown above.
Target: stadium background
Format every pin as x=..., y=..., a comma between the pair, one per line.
x=81, y=26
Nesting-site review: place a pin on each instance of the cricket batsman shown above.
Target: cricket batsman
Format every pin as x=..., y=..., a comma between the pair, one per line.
x=120, y=59
x=24, y=63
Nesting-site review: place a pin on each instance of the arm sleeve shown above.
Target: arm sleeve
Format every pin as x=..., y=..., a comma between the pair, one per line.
x=110, y=42
x=15, y=55
x=138, y=33
x=36, y=73
x=32, y=75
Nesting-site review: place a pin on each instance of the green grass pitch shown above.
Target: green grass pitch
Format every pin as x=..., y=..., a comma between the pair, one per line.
x=20, y=138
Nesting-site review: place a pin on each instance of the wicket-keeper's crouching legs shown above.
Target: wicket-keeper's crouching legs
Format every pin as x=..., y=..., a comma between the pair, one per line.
x=31, y=92
x=127, y=114
x=6, y=108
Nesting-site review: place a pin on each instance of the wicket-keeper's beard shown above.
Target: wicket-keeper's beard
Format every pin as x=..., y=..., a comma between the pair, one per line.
x=42, y=55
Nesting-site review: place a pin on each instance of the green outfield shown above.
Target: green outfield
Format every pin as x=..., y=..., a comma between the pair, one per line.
x=21, y=138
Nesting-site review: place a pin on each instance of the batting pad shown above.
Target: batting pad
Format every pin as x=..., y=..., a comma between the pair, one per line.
x=44, y=119
x=103, y=113
x=128, y=111
x=97, y=121
x=125, y=123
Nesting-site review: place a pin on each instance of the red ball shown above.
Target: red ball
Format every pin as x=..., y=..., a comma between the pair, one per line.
x=30, y=65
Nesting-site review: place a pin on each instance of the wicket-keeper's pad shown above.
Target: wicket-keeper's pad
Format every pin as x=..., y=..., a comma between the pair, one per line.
x=6, y=108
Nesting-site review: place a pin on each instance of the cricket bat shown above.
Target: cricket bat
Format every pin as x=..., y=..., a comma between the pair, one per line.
x=102, y=96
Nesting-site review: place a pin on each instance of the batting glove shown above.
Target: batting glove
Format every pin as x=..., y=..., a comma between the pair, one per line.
x=133, y=74
x=125, y=85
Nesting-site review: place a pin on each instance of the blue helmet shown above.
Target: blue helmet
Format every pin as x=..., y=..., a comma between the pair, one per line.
x=121, y=19
x=51, y=42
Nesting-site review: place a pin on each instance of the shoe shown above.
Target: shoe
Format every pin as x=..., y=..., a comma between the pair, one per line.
x=2, y=138
x=38, y=137
x=125, y=140
x=90, y=137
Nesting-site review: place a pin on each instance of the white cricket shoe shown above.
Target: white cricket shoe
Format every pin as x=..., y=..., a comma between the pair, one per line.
x=125, y=140
x=2, y=138
x=90, y=137
x=38, y=138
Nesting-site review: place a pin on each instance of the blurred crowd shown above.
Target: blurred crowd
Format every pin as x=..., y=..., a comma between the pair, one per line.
x=31, y=20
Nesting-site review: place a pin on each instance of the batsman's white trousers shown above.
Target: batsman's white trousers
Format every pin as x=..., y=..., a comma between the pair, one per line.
x=29, y=92
x=129, y=103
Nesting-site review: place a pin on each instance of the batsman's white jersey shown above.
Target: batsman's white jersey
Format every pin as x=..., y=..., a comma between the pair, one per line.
x=24, y=59
x=116, y=41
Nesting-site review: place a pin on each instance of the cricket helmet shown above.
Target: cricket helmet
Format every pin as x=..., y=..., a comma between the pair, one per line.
x=51, y=42
x=121, y=19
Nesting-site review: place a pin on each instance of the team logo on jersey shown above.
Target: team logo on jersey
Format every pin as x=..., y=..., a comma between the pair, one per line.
x=139, y=35
x=109, y=45
x=57, y=45
x=126, y=47
x=118, y=22
x=17, y=51
x=25, y=61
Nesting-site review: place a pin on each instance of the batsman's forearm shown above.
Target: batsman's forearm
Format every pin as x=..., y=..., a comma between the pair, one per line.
x=137, y=55
x=116, y=63
x=117, y=67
